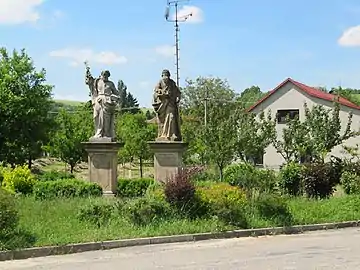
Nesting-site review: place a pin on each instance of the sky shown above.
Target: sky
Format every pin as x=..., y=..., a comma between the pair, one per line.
x=248, y=43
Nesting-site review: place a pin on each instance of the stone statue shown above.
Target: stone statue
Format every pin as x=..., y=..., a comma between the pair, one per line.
x=104, y=98
x=166, y=100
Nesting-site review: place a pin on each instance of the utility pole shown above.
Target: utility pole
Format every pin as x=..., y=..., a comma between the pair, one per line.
x=176, y=20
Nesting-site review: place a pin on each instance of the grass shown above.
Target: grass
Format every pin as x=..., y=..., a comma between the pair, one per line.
x=54, y=222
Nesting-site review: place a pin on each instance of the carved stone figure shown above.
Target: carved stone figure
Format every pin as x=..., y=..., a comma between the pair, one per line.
x=166, y=100
x=104, y=98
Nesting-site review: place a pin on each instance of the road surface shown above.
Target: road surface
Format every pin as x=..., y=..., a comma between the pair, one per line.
x=337, y=249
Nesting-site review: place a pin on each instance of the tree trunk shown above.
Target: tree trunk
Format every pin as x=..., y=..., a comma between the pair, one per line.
x=221, y=168
x=141, y=167
x=30, y=162
x=72, y=166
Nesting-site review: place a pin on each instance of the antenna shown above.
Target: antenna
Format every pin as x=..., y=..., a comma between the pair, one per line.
x=176, y=20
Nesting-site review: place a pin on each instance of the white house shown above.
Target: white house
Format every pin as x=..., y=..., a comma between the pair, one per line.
x=288, y=98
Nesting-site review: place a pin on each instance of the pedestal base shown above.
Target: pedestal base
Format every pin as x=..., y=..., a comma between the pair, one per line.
x=167, y=158
x=103, y=164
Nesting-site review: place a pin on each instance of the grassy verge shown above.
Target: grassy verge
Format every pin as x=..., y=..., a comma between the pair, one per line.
x=54, y=222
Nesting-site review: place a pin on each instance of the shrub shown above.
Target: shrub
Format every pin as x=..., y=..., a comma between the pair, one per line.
x=318, y=180
x=290, y=178
x=205, y=175
x=179, y=190
x=242, y=175
x=143, y=211
x=8, y=214
x=129, y=188
x=226, y=202
x=350, y=182
x=66, y=188
x=54, y=175
x=18, y=180
x=274, y=208
x=250, y=179
x=98, y=214
x=267, y=180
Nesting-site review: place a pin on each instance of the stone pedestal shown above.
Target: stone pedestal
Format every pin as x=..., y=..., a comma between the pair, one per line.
x=167, y=158
x=103, y=164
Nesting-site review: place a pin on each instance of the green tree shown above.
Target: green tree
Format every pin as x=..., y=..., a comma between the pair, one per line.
x=72, y=130
x=249, y=96
x=212, y=94
x=316, y=136
x=136, y=132
x=128, y=103
x=255, y=134
x=25, y=103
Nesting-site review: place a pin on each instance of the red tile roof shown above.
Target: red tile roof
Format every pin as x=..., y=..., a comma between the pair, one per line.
x=311, y=91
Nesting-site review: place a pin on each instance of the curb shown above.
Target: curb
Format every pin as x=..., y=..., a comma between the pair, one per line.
x=93, y=246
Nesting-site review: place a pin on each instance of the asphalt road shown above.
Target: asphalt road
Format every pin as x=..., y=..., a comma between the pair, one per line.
x=338, y=249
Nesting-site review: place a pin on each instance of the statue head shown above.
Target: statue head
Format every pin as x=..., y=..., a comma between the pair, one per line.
x=105, y=74
x=165, y=73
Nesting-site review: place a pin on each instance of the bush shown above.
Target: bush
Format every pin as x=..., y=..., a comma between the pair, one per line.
x=179, y=190
x=98, y=214
x=290, y=178
x=18, y=180
x=66, y=189
x=350, y=182
x=267, y=180
x=8, y=214
x=54, y=175
x=129, y=188
x=319, y=181
x=143, y=211
x=226, y=202
x=250, y=179
x=274, y=208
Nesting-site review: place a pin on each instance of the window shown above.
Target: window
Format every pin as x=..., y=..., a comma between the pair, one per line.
x=283, y=114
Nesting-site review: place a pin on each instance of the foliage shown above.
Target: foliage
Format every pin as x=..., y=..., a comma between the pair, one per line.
x=218, y=96
x=18, y=179
x=129, y=188
x=54, y=175
x=98, y=214
x=8, y=213
x=275, y=209
x=72, y=130
x=254, y=135
x=222, y=194
x=16, y=239
x=249, y=96
x=290, y=178
x=136, y=132
x=318, y=180
x=26, y=101
x=66, y=189
x=144, y=211
x=250, y=179
x=316, y=136
x=128, y=103
x=350, y=182
x=180, y=192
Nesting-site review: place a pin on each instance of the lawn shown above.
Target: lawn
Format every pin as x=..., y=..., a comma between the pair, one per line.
x=55, y=222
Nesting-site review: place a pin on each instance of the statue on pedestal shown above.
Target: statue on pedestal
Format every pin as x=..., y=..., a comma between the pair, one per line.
x=104, y=98
x=166, y=100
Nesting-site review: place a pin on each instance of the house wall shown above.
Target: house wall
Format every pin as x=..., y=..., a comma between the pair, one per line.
x=290, y=97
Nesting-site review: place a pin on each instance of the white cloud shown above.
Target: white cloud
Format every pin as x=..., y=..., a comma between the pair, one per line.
x=165, y=50
x=196, y=17
x=19, y=11
x=78, y=56
x=350, y=37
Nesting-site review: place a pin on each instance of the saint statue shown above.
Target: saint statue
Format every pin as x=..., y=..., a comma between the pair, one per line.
x=166, y=100
x=104, y=98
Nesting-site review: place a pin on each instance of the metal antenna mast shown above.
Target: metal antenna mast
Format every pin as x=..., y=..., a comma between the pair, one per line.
x=176, y=20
